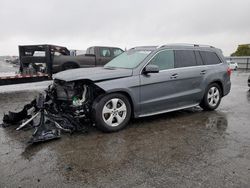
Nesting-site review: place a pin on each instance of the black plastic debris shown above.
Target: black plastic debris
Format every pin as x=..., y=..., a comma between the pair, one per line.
x=16, y=117
x=43, y=132
x=46, y=117
x=45, y=135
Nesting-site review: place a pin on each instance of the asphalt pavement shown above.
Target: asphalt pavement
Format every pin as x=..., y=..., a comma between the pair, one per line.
x=187, y=148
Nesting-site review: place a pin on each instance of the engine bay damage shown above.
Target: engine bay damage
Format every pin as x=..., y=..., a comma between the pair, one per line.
x=64, y=107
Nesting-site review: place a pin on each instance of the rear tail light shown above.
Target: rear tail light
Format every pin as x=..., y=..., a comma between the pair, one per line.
x=229, y=71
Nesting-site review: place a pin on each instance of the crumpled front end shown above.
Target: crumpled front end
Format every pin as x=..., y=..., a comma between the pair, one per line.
x=65, y=107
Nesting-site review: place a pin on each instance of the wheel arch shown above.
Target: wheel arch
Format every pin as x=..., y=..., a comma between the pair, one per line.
x=70, y=63
x=123, y=92
x=219, y=82
x=130, y=101
x=126, y=94
x=97, y=107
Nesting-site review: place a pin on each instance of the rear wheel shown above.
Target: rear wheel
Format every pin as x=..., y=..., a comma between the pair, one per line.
x=212, y=97
x=112, y=112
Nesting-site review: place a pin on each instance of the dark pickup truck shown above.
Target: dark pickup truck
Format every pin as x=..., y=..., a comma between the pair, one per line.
x=95, y=56
x=54, y=59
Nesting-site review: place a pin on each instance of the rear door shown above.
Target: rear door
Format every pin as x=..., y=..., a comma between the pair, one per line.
x=191, y=71
x=212, y=70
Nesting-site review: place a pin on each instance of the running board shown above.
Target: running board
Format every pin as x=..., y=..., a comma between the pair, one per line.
x=171, y=110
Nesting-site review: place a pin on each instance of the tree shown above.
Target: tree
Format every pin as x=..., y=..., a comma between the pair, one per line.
x=242, y=50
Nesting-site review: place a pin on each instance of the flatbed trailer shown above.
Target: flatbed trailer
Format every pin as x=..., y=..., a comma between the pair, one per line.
x=35, y=64
x=23, y=78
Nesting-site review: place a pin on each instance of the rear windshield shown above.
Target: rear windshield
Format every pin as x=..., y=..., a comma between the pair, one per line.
x=129, y=59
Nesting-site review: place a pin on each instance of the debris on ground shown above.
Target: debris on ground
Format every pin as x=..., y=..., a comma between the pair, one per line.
x=54, y=116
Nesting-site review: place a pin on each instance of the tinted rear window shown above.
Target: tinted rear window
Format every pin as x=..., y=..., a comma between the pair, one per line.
x=184, y=58
x=210, y=58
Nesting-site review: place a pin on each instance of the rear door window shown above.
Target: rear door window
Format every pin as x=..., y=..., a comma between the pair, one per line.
x=92, y=50
x=105, y=52
x=164, y=60
x=210, y=58
x=184, y=58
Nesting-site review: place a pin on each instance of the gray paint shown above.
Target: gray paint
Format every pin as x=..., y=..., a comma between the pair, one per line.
x=158, y=92
x=94, y=74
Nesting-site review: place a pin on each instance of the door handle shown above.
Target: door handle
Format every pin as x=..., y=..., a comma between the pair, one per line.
x=173, y=76
x=203, y=72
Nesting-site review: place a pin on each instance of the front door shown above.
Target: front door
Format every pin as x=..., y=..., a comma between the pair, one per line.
x=160, y=91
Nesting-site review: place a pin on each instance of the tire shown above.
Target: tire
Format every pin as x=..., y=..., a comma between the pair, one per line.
x=212, y=97
x=112, y=112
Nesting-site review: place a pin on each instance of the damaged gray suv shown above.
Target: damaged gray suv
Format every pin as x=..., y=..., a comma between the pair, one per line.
x=144, y=81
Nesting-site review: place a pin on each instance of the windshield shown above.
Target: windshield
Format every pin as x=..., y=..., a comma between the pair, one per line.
x=129, y=59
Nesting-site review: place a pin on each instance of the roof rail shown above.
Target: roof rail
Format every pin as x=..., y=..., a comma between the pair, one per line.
x=139, y=47
x=186, y=44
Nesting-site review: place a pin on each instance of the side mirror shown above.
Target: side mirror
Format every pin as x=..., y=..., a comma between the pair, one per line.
x=151, y=69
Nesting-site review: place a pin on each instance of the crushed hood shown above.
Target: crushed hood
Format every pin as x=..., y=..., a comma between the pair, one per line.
x=94, y=74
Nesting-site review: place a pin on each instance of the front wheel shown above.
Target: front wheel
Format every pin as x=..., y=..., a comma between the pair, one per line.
x=212, y=97
x=112, y=112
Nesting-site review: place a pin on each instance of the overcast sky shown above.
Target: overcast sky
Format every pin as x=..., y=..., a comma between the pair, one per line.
x=78, y=24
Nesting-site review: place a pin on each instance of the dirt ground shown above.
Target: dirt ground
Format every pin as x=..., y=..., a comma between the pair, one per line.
x=187, y=148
